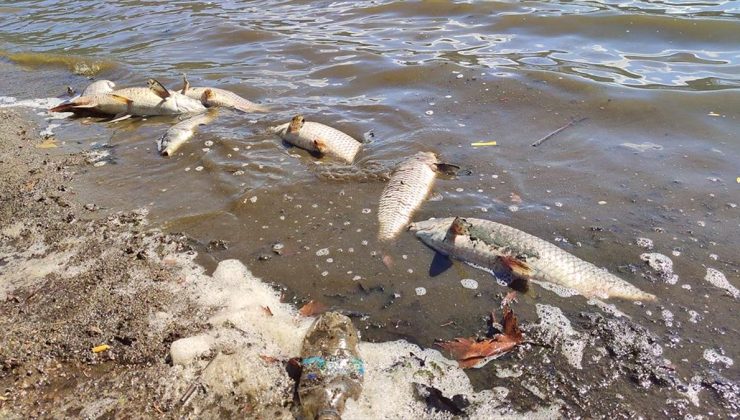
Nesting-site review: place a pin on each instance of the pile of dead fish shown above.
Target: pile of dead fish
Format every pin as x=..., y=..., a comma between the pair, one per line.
x=512, y=255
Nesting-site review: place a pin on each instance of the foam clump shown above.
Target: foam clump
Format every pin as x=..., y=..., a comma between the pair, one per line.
x=186, y=350
x=251, y=346
x=556, y=328
x=717, y=279
x=646, y=243
x=662, y=265
x=712, y=356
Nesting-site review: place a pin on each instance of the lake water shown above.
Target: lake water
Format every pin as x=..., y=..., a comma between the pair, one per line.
x=655, y=153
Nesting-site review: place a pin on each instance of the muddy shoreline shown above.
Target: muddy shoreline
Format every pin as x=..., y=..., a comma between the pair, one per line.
x=76, y=277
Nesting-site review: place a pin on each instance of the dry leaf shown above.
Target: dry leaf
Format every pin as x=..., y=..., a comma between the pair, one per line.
x=267, y=310
x=312, y=308
x=47, y=144
x=471, y=353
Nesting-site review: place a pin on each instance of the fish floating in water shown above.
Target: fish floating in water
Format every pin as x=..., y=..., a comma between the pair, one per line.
x=211, y=97
x=490, y=245
x=332, y=370
x=317, y=137
x=154, y=99
x=406, y=190
x=182, y=132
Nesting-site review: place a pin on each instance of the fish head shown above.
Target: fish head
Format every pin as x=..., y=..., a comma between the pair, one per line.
x=296, y=123
x=185, y=103
x=432, y=230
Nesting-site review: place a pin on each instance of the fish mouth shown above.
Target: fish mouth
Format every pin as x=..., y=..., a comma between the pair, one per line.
x=430, y=225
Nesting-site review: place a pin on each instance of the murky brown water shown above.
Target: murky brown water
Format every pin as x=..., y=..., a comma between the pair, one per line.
x=657, y=81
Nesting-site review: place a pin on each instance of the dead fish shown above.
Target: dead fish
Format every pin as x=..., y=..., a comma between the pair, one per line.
x=317, y=137
x=406, y=190
x=332, y=368
x=490, y=245
x=154, y=99
x=182, y=132
x=99, y=86
x=211, y=97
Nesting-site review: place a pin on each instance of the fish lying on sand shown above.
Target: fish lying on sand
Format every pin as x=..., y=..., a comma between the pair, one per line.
x=154, y=99
x=332, y=369
x=490, y=245
x=406, y=190
x=182, y=132
x=99, y=86
x=211, y=97
x=317, y=137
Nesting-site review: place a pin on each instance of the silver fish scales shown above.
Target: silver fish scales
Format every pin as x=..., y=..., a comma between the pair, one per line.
x=489, y=244
x=317, y=137
x=406, y=190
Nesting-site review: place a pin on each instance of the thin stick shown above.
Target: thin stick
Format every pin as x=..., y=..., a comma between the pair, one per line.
x=547, y=137
x=193, y=386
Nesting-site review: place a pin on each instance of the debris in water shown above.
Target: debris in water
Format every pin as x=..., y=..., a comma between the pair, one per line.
x=547, y=137
x=332, y=370
x=471, y=353
x=312, y=308
x=47, y=144
x=717, y=279
x=483, y=143
x=100, y=348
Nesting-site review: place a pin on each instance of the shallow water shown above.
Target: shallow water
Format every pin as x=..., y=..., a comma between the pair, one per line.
x=657, y=155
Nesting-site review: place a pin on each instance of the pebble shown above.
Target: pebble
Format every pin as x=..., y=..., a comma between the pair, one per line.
x=602, y=202
x=253, y=199
x=420, y=291
x=322, y=252
x=198, y=168
x=429, y=112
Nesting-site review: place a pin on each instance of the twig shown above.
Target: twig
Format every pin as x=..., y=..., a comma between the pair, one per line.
x=547, y=137
x=191, y=389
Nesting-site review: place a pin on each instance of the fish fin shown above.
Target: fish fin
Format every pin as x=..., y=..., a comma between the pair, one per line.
x=158, y=88
x=458, y=227
x=121, y=99
x=440, y=264
x=320, y=145
x=185, y=84
x=120, y=117
x=207, y=97
x=518, y=267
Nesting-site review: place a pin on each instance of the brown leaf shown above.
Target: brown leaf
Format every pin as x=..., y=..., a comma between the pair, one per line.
x=469, y=352
x=267, y=310
x=312, y=308
x=509, y=298
x=516, y=199
x=511, y=326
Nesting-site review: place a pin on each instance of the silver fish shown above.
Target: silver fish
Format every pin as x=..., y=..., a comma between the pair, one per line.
x=211, y=97
x=123, y=103
x=317, y=137
x=99, y=86
x=332, y=369
x=490, y=245
x=182, y=132
x=409, y=185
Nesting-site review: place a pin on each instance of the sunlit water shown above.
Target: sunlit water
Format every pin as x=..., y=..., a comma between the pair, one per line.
x=657, y=155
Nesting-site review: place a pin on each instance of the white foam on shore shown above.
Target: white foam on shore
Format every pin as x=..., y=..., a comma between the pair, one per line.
x=246, y=339
x=38, y=103
x=558, y=330
x=713, y=356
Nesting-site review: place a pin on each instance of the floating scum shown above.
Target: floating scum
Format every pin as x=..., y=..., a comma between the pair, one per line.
x=511, y=252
